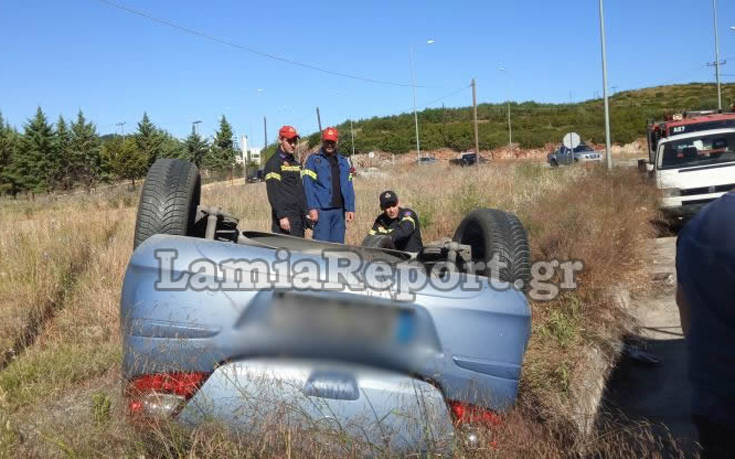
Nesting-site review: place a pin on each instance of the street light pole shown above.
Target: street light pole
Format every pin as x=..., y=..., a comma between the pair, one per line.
x=608, y=155
x=507, y=96
x=717, y=57
x=415, y=113
x=413, y=87
x=194, y=126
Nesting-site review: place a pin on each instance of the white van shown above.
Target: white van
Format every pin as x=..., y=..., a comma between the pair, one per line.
x=693, y=169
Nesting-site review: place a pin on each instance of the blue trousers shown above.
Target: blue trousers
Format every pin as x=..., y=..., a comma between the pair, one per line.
x=331, y=225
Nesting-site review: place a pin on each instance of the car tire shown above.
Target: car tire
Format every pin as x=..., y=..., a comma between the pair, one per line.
x=378, y=241
x=169, y=200
x=493, y=231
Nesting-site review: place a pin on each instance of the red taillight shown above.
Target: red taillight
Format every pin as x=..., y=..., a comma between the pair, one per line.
x=162, y=393
x=183, y=384
x=468, y=414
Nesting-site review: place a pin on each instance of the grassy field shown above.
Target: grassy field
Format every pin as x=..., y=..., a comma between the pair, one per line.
x=64, y=260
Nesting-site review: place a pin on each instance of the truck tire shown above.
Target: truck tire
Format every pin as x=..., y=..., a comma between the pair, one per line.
x=168, y=203
x=493, y=231
x=378, y=241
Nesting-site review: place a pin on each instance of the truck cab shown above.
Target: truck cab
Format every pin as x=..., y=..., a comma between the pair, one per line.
x=693, y=169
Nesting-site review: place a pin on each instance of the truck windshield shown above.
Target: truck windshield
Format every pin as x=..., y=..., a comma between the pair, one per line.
x=699, y=151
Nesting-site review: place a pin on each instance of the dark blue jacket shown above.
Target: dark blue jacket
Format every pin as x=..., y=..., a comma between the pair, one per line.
x=317, y=178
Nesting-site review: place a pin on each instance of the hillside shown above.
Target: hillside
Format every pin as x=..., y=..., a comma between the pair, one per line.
x=533, y=124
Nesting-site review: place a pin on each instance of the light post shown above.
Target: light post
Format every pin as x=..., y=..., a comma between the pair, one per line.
x=194, y=126
x=507, y=96
x=717, y=56
x=413, y=87
x=608, y=157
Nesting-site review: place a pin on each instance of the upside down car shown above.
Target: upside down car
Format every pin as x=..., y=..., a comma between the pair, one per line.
x=409, y=351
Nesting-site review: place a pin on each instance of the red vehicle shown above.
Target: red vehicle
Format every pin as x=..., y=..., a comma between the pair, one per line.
x=683, y=123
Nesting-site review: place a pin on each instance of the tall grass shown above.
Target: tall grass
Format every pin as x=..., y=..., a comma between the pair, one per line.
x=599, y=217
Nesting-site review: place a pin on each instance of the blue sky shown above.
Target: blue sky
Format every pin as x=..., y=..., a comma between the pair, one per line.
x=86, y=54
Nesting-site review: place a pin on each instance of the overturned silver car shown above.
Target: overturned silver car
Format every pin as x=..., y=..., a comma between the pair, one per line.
x=397, y=349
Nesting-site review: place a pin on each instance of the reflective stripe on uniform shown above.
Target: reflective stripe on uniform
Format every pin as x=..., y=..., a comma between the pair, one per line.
x=273, y=175
x=285, y=168
x=413, y=222
x=371, y=232
x=384, y=230
x=309, y=172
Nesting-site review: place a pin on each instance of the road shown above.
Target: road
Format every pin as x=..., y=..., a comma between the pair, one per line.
x=660, y=392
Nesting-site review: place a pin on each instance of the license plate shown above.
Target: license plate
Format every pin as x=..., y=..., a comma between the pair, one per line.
x=340, y=318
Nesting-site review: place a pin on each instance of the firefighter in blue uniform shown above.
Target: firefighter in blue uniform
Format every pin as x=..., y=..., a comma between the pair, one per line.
x=401, y=224
x=284, y=187
x=330, y=196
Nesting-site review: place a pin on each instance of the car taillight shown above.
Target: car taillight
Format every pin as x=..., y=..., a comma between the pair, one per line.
x=473, y=415
x=162, y=394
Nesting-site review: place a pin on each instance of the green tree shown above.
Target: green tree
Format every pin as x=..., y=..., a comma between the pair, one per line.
x=85, y=159
x=8, y=144
x=61, y=174
x=30, y=168
x=171, y=147
x=196, y=148
x=222, y=153
x=126, y=160
x=149, y=140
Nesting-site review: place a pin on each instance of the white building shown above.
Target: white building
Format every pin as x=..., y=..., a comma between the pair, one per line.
x=248, y=153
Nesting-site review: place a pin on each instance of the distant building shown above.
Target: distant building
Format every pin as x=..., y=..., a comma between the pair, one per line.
x=247, y=152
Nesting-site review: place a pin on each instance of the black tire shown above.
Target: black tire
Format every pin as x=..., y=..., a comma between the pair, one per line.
x=491, y=231
x=378, y=241
x=168, y=203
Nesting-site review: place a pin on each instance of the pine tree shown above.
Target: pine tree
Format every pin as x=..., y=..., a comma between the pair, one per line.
x=222, y=155
x=171, y=147
x=85, y=152
x=30, y=168
x=8, y=144
x=126, y=160
x=61, y=173
x=196, y=148
x=149, y=140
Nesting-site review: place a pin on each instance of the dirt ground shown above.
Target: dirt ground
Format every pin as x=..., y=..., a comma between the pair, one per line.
x=658, y=392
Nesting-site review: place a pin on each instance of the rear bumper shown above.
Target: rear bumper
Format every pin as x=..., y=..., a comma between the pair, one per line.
x=381, y=408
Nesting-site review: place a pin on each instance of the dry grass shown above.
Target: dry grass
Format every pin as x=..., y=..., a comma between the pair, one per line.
x=61, y=395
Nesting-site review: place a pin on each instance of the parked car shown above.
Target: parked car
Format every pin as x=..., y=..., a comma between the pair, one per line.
x=582, y=153
x=426, y=161
x=467, y=158
x=407, y=374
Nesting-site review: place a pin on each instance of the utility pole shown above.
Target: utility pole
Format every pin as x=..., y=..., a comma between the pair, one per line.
x=352, y=134
x=608, y=155
x=194, y=125
x=717, y=57
x=415, y=114
x=474, y=111
x=319, y=120
x=265, y=135
x=121, y=125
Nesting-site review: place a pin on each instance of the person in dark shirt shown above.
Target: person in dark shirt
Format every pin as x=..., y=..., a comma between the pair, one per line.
x=330, y=195
x=400, y=223
x=284, y=187
x=705, y=264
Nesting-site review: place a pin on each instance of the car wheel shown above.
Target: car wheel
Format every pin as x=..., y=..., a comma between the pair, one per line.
x=378, y=241
x=169, y=200
x=492, y=231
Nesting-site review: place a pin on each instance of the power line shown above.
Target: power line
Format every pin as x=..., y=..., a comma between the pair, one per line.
x=232, y=44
